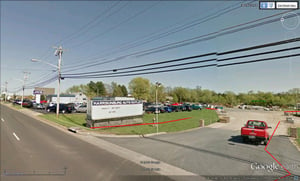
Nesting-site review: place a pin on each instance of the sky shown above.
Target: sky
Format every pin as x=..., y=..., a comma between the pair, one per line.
x=92, y=32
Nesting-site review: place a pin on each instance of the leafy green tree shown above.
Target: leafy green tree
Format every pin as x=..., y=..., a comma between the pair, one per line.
x=124, y=90
x=117, y=91
x=140, y=88
x=181, y=94
x=95, y=89
x=230, y=98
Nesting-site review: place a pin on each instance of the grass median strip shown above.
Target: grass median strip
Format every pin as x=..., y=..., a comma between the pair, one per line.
x=78, y=120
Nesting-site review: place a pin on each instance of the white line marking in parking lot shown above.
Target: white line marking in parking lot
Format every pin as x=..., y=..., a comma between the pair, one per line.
x=16, y=136
x=2, y=119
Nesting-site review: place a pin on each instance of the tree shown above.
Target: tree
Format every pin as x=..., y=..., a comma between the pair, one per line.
x=140, y=88
x=124, y=90
x=77, y=88
x=181, y=94
x=230, y=98
x=118, y=90
x=109, y=89
x=95, y=89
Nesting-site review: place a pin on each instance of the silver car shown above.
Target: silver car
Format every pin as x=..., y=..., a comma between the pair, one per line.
x=82, y=108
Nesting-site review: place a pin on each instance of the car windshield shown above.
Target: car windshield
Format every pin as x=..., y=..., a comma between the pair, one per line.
x=256, y=124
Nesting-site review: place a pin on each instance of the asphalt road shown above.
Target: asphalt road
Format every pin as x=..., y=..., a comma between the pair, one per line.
x=34, y=151
x=215, y=151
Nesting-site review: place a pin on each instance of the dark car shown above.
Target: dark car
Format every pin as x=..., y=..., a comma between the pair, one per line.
x=153, y=110
x=175, y=108
x=168, y=109
x=63, y=108
x=196, y=107
x=182, y=108
x=27, y=103
x=17, y=101
x=188, y=108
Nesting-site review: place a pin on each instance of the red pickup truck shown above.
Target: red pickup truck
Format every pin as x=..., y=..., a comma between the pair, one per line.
x=255, y=130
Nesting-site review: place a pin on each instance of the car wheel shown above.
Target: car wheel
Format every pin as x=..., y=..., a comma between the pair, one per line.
x=266, y=141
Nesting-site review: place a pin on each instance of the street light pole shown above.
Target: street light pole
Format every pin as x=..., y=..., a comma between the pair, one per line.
x=58, y=53
x=23, y=87
x=5, y=91
x=156, y=102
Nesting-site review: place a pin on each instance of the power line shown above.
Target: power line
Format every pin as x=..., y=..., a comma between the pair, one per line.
x=189, y=41
x=144, y=65
x=154, y=68
x=151, y=37
x=211, y=35
x=207, y=54
x=186, y=68
x=175, y=65
x=72, y=35
x=83, y=29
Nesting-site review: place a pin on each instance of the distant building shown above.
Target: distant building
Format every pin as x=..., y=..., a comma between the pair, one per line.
x=45, y=91
x=68, y=98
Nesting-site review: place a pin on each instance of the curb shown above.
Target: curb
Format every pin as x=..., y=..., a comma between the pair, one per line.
x=116, y=136
x=294, y=142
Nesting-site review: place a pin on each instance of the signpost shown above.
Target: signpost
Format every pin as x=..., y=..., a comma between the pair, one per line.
x=37, y=94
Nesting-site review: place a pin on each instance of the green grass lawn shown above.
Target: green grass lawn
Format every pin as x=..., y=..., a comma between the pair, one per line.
x=17, y=106
x=68, y=120
x=78, y=120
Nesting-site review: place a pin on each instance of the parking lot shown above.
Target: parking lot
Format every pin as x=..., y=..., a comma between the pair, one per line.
x=239, y=117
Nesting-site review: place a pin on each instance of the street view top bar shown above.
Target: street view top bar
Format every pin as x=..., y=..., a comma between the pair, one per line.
x=279, y=5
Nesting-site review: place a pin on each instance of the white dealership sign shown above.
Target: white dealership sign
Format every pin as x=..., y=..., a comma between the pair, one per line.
x=109, y=109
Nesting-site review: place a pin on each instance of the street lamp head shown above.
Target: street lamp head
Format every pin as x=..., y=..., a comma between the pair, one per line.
x=35, y=60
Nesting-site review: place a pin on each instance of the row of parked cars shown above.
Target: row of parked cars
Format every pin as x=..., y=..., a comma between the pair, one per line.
x=67, y=108
x=51, y=107
x=172, y=108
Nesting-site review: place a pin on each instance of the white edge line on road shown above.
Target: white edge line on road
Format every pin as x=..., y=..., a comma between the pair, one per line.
x=16, y=136
x=2, y=119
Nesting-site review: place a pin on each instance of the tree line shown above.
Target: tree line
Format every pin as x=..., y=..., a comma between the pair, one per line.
x=142, y=89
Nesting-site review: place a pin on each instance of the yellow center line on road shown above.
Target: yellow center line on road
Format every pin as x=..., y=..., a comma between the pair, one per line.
x=16, y=136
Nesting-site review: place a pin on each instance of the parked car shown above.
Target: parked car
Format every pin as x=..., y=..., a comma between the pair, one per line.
x=153, y=110
x=82, y=108
x=196, y=107
x=17, y=101
x=38, y=106
x=175, y=108
x=182, y=108
x=255, y=130
x=64, y=108
x=167, y=109
x=27, y=103
x=188, y=108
